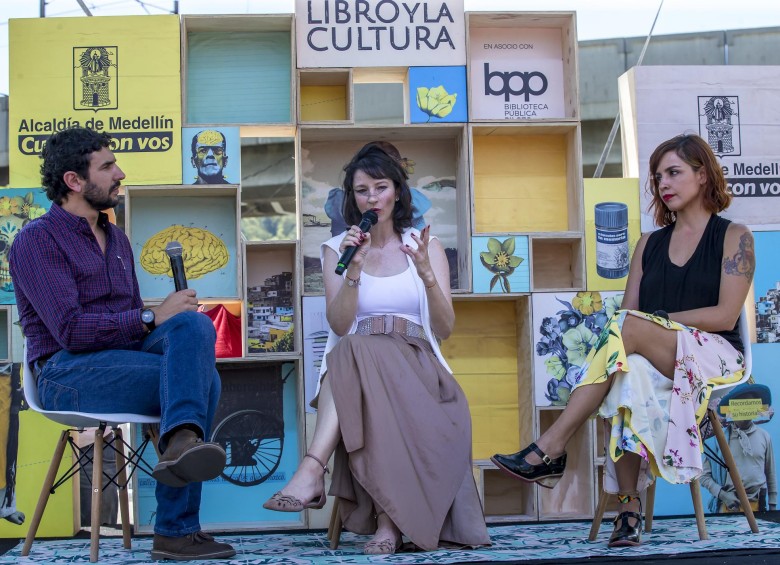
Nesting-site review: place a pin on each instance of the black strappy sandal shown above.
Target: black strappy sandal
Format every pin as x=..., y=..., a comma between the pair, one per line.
x=627, y=535
x=547, y=473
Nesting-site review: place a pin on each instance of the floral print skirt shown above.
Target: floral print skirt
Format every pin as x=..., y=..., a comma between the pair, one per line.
x=651, y=415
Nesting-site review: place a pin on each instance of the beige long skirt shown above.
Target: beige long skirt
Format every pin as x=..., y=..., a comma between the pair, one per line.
x=406, y=442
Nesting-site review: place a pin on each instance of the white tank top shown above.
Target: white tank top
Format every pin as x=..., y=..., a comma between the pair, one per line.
x=396, y=294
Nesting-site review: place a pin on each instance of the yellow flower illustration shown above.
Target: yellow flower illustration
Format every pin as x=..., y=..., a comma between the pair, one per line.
x=5, y=206
x=435, y=101
x=588, y=302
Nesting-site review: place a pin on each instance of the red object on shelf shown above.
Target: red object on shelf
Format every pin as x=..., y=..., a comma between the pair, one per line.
x=228, y=328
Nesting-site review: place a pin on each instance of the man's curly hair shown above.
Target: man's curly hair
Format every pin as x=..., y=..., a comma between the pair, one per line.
x=68, y=150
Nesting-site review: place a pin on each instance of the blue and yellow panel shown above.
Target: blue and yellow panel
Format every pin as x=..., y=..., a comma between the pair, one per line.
x=500, y=264
x=120, y=75
x=37, y=439
x=239, y=78
x=211, y=155
x=611, y=230
x=18, y=206
x=438, y=94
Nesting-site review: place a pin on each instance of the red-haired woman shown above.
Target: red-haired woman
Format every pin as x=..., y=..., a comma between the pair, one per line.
x=686, y=287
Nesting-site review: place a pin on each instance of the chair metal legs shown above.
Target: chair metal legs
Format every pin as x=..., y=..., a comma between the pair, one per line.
x=48, y=482
x=733, y=471
x=92, y=454
x=698, y=507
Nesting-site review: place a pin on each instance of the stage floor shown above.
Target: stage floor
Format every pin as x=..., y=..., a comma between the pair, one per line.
x=670, y=539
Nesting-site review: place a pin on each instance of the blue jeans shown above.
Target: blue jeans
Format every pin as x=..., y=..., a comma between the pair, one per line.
x=171, y=373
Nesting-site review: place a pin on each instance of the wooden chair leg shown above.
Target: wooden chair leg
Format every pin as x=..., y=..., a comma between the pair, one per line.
x=335, y=526
x=736, y=480
x=649, y=507
x=698, y=507
x=97, y=494
x=124, y=505
x=597, y=519
x=48, y=482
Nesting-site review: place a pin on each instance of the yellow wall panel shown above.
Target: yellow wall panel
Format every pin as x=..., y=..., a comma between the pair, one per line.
x=514, y=174
x=482, y=353
x=323, y=103
x=37, y=439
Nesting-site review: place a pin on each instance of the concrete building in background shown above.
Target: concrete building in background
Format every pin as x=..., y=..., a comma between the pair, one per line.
x=601, y=62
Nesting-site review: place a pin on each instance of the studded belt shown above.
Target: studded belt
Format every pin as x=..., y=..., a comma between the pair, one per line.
x=389, y=323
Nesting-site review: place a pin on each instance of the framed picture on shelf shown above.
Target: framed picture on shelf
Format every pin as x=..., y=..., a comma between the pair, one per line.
x=256, y=423
x=211, y=155
x=315, y=336
x=566, y=326
x=432, y=169
x=206, y=228
x=269, y=297
x=18, y=207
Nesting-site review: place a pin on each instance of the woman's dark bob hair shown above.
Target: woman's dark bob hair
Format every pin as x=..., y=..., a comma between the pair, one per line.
x=697, y=153
x=379, y=160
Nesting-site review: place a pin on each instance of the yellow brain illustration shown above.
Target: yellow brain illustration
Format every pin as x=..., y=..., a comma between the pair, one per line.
x=203, y=252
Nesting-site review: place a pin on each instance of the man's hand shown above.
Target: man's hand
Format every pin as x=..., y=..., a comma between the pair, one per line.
x=175, y=303
x=729, y=499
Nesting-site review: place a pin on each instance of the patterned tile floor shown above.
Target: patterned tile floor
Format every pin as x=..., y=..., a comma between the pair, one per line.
x=554, y=542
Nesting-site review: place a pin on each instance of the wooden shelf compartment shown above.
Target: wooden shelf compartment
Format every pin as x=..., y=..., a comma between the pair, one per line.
x=526, y=178
x=205, y=220
x=503, y=498
x=325, y=96
x=380, y=95
x=527, y=41
x=269, y=208
x=226, y=350
x=573, y=496
x=273, y=314
x=438, y=156
x=238, y=69
x=557, y=262
x=489, y=353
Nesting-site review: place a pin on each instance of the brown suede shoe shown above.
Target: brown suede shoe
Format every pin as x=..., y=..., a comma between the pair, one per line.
x=188, y=459
x=199, y=545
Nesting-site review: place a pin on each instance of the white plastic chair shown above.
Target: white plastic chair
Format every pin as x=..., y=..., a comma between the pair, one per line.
x=718, y=392
x=78, y=421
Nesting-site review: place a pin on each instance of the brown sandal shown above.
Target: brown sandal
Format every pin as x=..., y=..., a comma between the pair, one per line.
x=286, y=503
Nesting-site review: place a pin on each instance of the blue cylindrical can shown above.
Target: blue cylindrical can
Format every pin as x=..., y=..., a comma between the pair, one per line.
x=611, y=239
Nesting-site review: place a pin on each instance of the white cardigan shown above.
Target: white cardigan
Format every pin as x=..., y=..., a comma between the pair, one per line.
x=333, y=339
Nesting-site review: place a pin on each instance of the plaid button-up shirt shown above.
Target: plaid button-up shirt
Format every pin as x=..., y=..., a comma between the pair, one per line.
x=69, y=293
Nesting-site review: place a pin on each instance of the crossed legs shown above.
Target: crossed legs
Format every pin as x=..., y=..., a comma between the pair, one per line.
x=653, y=342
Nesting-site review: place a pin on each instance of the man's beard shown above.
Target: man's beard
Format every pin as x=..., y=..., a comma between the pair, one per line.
x=99, y=201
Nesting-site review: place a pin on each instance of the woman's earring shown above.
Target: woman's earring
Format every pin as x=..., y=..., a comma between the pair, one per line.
x=397, y=198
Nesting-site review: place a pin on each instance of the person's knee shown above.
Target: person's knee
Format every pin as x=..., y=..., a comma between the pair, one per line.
x=196, y=326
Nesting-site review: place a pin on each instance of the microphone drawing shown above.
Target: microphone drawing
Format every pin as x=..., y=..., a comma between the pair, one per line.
x=369, y=219
x=202, y=251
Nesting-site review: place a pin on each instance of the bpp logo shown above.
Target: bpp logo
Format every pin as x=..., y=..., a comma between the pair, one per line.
x=528, y=84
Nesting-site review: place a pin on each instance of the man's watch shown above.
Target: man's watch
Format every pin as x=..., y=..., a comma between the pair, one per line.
x=147, y=317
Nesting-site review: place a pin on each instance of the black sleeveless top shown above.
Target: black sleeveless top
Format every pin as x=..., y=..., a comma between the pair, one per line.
x=665, y=286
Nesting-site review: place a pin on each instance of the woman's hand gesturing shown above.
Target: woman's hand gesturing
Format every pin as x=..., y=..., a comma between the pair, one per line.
x=420, y=256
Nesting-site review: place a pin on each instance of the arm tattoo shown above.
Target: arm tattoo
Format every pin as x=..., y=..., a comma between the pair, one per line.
x=744, y=261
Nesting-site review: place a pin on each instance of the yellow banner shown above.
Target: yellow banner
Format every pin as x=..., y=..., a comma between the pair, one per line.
x=120, y=75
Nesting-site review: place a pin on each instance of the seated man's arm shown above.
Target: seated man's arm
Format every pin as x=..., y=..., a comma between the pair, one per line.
x=45, y=275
